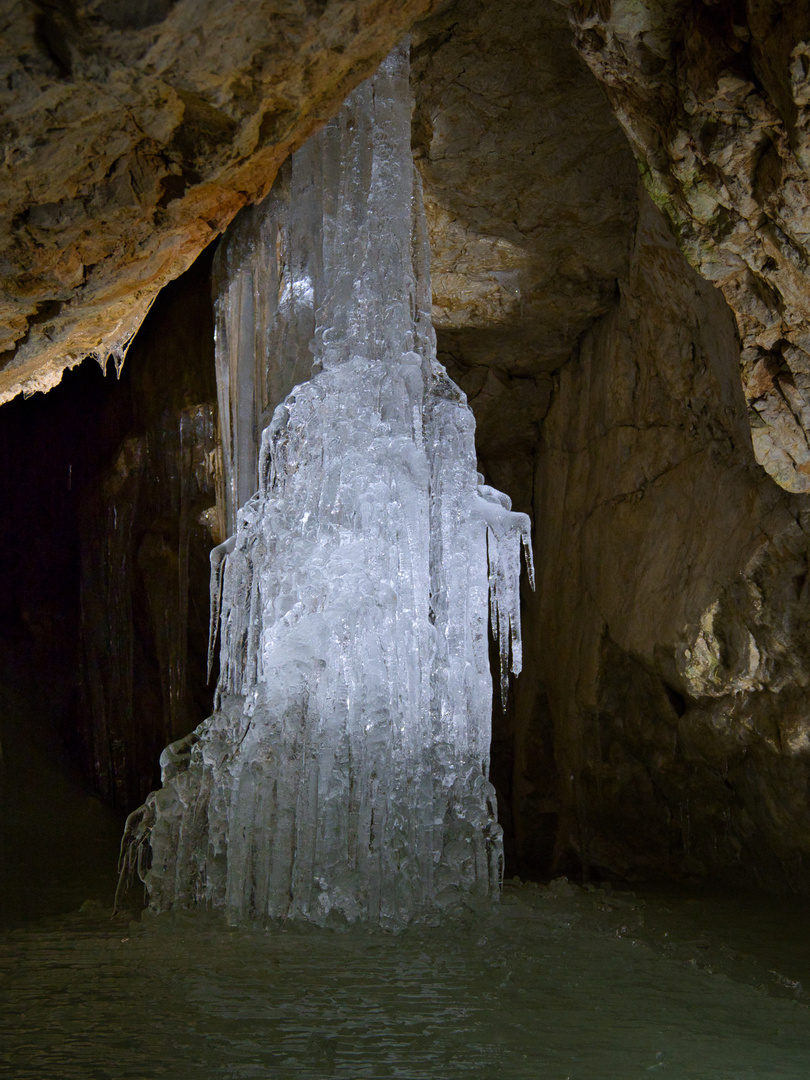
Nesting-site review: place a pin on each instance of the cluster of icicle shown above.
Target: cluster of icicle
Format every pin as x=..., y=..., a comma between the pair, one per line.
x=344, y=773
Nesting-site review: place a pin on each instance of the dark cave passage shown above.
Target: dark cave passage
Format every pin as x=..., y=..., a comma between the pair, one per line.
x=106, y=487
x=58, y=840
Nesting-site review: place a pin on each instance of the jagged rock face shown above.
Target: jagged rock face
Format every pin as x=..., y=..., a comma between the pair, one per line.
x=132, y=134
x=714, y=99
x=673, y=597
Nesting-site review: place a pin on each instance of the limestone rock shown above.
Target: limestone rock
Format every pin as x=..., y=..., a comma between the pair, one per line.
x=715, y=101
x=133, y=132
x=673, y=597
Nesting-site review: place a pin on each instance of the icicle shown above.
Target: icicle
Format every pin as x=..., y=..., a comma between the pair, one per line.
x=116, y=345
x=264, y=321
x=343, y=774
x=217, y=557
x=507, y=533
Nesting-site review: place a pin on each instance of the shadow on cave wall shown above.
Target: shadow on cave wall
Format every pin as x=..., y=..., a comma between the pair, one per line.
x=672, y=599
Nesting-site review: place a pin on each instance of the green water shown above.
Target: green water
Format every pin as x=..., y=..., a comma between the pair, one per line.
x=557, y=983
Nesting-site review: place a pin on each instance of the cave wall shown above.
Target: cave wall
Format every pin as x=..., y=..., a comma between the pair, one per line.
x=715, y=101
x=658, y=727
x=672, y=596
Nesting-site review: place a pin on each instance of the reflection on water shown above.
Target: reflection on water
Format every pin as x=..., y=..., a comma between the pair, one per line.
x=557, y=983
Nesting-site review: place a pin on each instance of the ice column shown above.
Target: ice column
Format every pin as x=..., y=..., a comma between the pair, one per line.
x=344, y=773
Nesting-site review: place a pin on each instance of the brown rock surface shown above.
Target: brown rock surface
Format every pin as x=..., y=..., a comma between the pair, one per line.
x=133, y=132
x=530, y=192
x=661, y=725
x=715, y=101
x=672, y=597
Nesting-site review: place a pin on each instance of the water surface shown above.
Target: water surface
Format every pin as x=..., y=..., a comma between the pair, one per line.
x=557, y=983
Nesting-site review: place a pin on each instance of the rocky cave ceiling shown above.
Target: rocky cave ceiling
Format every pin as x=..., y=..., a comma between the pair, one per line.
x=132, y=134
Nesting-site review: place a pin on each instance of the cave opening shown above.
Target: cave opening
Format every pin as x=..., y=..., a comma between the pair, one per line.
x=51, y=446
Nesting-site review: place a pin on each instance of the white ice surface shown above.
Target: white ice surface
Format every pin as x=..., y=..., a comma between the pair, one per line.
x=344, y=773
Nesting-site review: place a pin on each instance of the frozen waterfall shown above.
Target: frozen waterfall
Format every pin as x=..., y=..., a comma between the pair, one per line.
x=344, y=772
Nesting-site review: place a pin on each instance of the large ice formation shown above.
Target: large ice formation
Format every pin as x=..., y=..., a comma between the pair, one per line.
x=344, y=773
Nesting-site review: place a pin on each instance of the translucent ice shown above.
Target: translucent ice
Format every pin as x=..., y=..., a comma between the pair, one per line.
x=344, y=773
